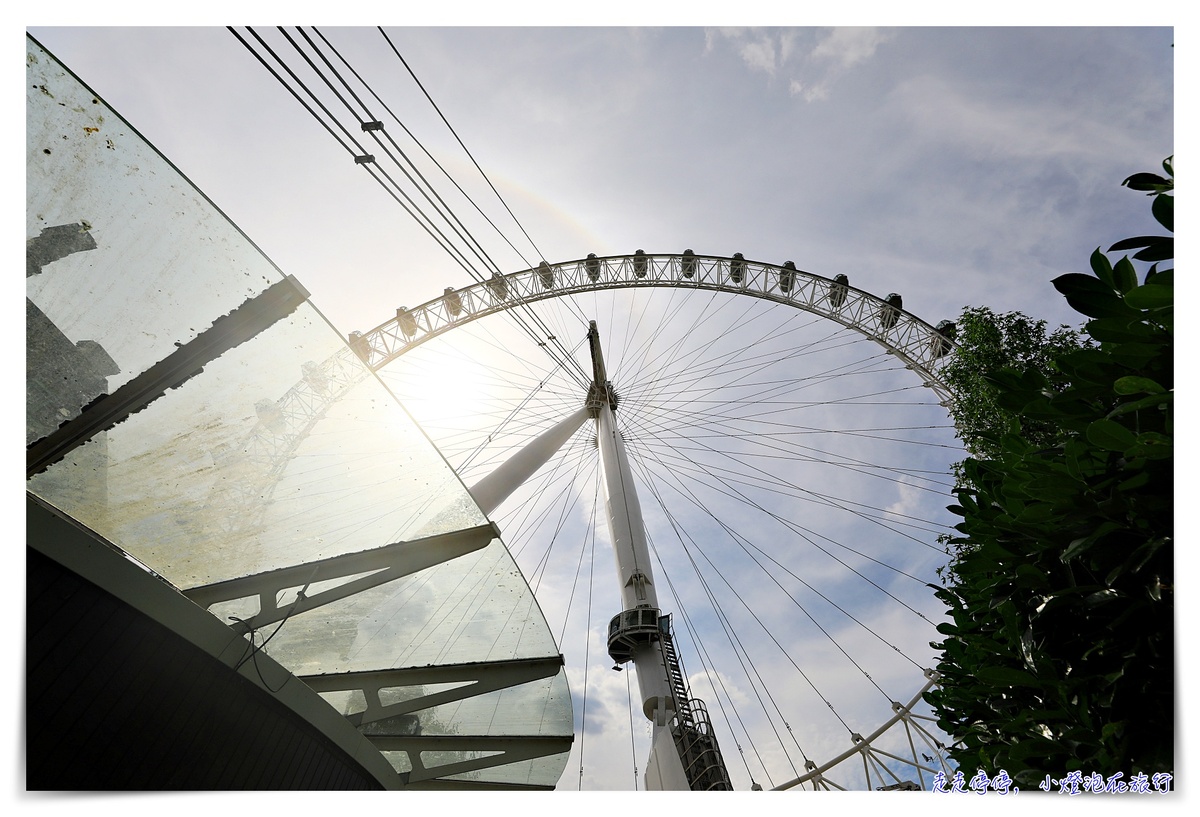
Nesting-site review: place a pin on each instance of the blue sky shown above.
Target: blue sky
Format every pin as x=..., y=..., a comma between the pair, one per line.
x=956, y=166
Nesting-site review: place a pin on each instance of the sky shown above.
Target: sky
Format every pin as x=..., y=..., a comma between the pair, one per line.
x=955, y=166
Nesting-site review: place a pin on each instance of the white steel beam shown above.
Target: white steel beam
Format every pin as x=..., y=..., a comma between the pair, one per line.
x=496, y=487
x=390, y=562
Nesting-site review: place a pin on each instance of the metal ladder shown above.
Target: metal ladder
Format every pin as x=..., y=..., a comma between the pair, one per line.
x=691, y=728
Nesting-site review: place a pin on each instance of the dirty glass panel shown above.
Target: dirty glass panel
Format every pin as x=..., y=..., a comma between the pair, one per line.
x=283, y=450
x=125, y=259
x=476, y=607
x=249, y=466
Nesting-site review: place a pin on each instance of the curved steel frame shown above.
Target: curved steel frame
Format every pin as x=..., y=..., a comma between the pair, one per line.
x=914, y=341
x=286, y=421
x=922, y=348
x=877, y=759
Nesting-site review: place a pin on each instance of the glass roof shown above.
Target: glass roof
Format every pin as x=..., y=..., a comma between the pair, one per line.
x=283, y=451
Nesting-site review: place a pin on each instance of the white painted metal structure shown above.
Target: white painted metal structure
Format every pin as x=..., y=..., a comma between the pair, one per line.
x=920, y=346
x=285, y=422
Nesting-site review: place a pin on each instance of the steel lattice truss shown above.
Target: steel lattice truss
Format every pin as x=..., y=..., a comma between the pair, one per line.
x=284, y=423
x=921, y=346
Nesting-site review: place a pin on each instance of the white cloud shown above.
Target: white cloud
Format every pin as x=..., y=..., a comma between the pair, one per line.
x=942, y=110
x=846, y=47
x=814, y=69
x=759, y=54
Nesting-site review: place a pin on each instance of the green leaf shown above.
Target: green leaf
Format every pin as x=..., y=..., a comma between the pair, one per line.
x=1153, y=401
x=1150, y=296
x=1137, y=385
x=1147, y=182
x=1164, y=211
x=1091, y=296
x=1164, y=277
x=1120, y=330
x=1077, y=282
x=1162, y=249
x=1094, y=305
x=1102, y=267
x=1110, y=435
x=1152, y=445
x=1005, y=677
x=1124, y=276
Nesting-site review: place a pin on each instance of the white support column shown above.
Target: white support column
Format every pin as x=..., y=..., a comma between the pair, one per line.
x=496, y=487
x=665, y=768
x=624, y=516
x=638, y=590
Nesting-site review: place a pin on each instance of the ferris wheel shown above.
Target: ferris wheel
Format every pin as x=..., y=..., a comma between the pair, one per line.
x=770, y=451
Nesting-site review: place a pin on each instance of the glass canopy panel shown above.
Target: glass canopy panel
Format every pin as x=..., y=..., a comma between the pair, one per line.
x=212, y=482
x=477, y=607
x=124, y=257
x=281, y=451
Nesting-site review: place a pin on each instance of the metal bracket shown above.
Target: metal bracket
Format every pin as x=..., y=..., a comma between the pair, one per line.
x=254, y=315
x=389, y=562
x=509, y=750
x=476, y=678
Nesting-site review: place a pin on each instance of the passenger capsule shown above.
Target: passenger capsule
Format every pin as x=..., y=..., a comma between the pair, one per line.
x=408, y=325
x=787, y=277
x=592, y=265
x=639, y=264
x=546, y=274
x=269, y=413
x=689, y=263
x=314, y=376
x=838, y=290
x=360, y=346
x=453, y=302
x=737, y=268
x=889, y=313
x=943, y=337
x=498, y=287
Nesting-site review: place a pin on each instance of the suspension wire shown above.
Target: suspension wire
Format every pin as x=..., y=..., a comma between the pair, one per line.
x=801, y=531
x=587, y=654
x=717, y=362
x=829, y=501
x=453, y=132
x=794, y=601
x=589, y=532
x=394, y=188
x=739, y=650
x=519, y=407
x=440, y=206
x=570, y=502
x=425, y=150
x=735, y=641
x=806, y=495
x=744, y=542
x=460, y=141
x=668, y=319
x=719, y=355
x=710, y=672
x=760, y=622
x=357, y=150
x=632, y=743
x=772, y=480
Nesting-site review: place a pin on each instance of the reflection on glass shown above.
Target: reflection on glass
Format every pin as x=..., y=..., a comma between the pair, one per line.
x=282, y=451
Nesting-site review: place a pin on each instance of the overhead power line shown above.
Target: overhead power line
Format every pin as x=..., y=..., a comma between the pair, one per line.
x=435, y=214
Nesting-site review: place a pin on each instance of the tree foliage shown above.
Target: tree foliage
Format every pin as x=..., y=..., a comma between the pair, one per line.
x=1059, y=653
x=986, y=342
